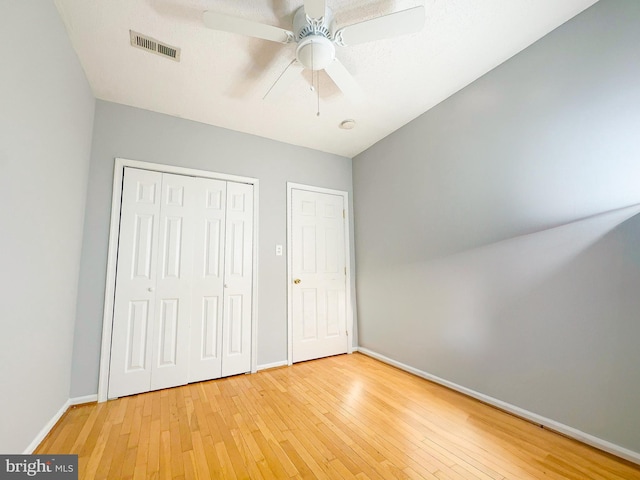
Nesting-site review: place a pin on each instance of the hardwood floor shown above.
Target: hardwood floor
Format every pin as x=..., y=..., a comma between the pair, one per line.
x=342, y=417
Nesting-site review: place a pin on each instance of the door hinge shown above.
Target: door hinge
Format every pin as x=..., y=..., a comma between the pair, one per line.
x=345, y=270
x=344, y=215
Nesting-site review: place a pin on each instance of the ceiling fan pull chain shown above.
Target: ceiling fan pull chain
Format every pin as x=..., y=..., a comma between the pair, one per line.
x=318, y=88
x=277, y=79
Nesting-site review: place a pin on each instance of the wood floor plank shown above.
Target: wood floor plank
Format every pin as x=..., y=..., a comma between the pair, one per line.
x=107, y=459
x=117, y=457
x=153, y=455
x=344, y=417
x=129, y=464
x=273, y=457
x=177, y=463
x=90, y=414
x=90, y=453
x=189, y=462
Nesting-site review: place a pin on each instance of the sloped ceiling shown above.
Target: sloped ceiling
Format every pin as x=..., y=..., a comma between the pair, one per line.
x=222, y=77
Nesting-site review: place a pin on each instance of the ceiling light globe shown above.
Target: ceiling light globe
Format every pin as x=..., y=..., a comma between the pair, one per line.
x=315, y=52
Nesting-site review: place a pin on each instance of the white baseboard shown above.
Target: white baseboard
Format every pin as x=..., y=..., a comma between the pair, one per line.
x=284, y=363
x=84, y=399
x=266, y=366
x=47, y=428
x=571, y=432
x=51, y=423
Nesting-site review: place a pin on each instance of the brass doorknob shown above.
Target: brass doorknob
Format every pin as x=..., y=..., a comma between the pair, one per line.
x=297, y=281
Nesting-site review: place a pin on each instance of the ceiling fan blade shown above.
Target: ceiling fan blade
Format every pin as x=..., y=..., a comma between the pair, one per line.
x=285, y=80
x=314, y=8
x=344, y=80
x=227, y=23
x=387, y=26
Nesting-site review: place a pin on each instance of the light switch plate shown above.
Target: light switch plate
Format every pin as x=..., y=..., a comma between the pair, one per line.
x=278, y=250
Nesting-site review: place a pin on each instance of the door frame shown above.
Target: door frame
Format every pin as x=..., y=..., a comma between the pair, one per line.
x=347, y=251
x=112, y=255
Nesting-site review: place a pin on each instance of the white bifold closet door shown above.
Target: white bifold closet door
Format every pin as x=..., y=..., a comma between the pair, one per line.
x=221, y=300
x=182, y=309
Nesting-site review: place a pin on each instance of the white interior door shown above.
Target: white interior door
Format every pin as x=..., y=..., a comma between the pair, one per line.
x=319, y=320
x=134, y=306
x=238, y=279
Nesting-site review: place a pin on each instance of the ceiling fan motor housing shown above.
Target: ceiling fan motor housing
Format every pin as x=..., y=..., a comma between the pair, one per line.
x=315, y=49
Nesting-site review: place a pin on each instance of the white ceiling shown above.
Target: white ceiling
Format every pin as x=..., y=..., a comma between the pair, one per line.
x=221, y=77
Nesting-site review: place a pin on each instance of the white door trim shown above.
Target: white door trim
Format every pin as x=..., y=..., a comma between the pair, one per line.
x=347, y=249
x=114, y=233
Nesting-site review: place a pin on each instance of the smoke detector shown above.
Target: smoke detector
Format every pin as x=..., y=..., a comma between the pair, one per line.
x=348, y=124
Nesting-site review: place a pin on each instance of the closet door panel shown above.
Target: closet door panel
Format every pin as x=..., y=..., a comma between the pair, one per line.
x=208, y=280
x=136, y=271
x=236, y=343
x=174, y=282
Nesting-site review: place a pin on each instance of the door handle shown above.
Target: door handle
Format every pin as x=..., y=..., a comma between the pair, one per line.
x=297, y=281
x=150, y=289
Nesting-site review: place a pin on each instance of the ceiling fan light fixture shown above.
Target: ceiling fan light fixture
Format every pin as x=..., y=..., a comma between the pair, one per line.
x=315, y=52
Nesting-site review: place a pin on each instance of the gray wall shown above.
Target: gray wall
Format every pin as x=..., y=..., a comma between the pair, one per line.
x=136, y=134
x=453, y=278
x=46, y=115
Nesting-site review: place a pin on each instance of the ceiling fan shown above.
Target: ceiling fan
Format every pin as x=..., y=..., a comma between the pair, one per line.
x=316, y=35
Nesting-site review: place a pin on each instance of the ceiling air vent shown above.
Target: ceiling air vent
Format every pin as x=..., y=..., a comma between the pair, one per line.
x=152, y=45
